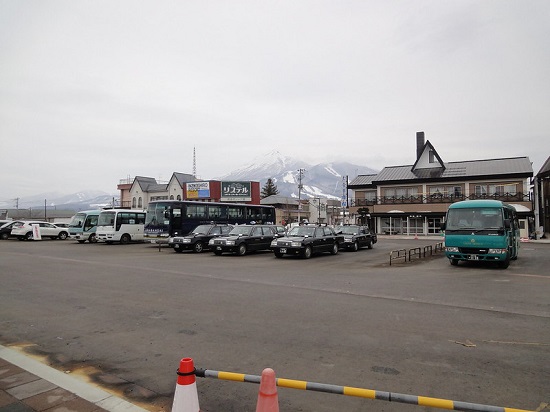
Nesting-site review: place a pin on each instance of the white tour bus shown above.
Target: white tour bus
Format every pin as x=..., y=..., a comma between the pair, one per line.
x=120, y=225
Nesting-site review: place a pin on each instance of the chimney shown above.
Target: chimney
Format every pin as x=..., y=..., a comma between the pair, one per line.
x=419, y=144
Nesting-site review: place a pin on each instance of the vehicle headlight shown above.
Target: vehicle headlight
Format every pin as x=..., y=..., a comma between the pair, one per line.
x=274, y=242
x=296, y=244
x=451, y=249
x=211, y=242
x=230, y=243
x=497, y=251
x=186, y=240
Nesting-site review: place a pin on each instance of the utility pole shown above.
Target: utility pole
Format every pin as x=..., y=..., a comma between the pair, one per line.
x=318, y=210
x=344, y=201
x=300, y=186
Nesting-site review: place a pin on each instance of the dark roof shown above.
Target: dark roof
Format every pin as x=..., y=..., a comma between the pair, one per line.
x=145, y=182
x=362, y=180
x=184, y=178
x=545, y=169
x=516, y=166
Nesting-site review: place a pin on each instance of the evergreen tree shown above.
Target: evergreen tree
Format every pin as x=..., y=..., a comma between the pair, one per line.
x=269, y=189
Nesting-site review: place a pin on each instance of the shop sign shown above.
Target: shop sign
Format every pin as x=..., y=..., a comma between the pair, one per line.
x=198, y=190
x=236, y=191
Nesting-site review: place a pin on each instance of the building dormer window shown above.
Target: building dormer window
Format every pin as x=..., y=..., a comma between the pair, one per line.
x=432, y=156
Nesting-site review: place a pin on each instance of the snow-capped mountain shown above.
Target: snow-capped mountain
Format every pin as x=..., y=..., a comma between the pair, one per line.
x=92, y=199
x=321, y=180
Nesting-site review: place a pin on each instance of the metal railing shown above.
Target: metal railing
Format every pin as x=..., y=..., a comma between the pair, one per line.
x=357, y=392
x=415, y=252
x=439, y=198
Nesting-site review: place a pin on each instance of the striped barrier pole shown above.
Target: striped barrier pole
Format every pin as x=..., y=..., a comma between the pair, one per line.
x=359, y=392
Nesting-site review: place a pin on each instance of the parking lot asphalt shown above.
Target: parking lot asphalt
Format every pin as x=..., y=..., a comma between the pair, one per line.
x=28, y=384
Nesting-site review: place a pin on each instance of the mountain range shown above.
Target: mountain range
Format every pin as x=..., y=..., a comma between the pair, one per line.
x=321, y=180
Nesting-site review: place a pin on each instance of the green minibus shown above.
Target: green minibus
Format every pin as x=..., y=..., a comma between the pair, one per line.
x=481, y=230
x=83, y=226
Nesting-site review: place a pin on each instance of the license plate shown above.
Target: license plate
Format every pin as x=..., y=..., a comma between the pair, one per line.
x=473, y=257
x=282, y=250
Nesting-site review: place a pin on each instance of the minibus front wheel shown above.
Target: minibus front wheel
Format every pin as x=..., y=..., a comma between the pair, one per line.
x=503, y=264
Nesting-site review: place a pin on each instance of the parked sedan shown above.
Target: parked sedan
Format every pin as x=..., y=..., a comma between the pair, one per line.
x=243, y=239
x=5, y=229
x=307, y=240
x=198, y=239
x=24, y=230
x=356, y=237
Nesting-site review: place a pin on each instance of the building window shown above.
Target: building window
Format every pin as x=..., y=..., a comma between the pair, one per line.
x=171, y=197
x=481, y=190
x=445, y=191
x=393, y=226
x=434, y=225
x=437, y=191
x=503, y=189
x=179, y=197
x=456, y=191
x=133, y=202
x=432, y=156
x=400, y=192
x=370, y=196
x=140, y=202
x=416, y=225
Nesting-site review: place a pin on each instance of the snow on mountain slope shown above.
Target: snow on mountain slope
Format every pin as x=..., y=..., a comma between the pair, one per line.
x=322, y=180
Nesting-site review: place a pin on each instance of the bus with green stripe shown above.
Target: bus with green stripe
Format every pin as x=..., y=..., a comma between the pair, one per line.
x=481, y=230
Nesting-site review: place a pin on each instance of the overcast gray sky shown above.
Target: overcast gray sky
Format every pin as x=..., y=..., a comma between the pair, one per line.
x=95, y=91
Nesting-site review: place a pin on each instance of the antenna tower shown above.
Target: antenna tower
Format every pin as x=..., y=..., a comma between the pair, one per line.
x=194, y=163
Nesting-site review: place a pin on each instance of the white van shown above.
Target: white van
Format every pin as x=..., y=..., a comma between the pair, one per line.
x=120, y=225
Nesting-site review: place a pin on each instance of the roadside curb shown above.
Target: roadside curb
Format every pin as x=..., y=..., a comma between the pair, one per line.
x=81, y=389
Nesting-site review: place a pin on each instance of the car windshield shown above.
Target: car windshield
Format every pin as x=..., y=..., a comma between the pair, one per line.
x=349, y=230
x=302, y=231
x=78, y=220
x=106, y=219
x=241, y=230
x=474, y=218
x=202, y=230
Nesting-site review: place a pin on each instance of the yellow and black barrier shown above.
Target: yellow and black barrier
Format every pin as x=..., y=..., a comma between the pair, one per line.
x=358, y=392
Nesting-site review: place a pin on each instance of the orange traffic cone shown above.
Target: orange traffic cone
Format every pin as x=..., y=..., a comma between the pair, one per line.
x=186, y=398
x=268, y=400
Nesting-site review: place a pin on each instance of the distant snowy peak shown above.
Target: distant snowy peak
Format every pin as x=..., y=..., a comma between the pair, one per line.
x=75, y=201
x=322, y=180
x=266, y=166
